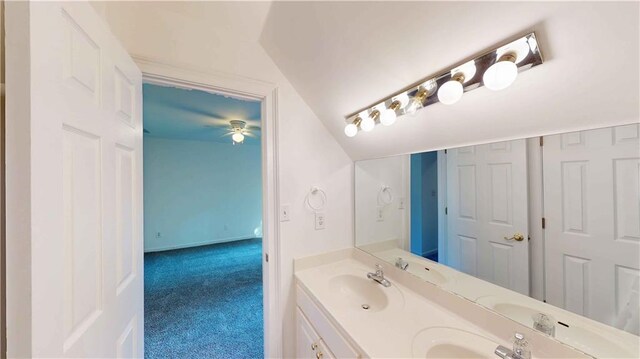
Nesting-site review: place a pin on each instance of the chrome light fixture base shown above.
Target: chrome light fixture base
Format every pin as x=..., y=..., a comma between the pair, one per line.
x=524, y=52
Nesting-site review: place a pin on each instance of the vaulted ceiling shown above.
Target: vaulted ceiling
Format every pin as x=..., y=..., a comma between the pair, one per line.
x=343, y=56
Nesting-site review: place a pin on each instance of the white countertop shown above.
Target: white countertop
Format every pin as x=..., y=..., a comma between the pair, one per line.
x=413, y=307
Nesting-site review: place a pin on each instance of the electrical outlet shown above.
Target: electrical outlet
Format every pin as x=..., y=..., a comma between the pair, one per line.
x=320, y=220
x=284, y=213
x=401, y=203
x=380, y=214
x=158, y=234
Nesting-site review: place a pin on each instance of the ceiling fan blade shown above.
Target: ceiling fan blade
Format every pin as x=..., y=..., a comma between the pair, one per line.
x=249, y=134
x=217, y=122
x=253, y=123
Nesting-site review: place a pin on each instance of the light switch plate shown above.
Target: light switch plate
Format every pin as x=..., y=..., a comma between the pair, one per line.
x=320, y=220
x=401, y=203
x=380, y=214
x=284, y=213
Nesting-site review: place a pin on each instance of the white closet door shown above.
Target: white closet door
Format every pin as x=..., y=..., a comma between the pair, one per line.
x=84, y=135
x=592, y=211
x=487, y=201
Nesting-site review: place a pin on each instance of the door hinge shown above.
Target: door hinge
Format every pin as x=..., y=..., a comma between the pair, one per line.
x=445, y=151
x=446, y=210
x=541, y=141
x=266, y=257
x=544, y=223
x=528, y=238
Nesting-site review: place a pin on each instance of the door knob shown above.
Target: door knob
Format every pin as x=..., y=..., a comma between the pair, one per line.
x=516, y=237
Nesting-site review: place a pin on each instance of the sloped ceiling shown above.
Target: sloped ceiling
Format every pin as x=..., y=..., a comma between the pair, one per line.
x=343, y=56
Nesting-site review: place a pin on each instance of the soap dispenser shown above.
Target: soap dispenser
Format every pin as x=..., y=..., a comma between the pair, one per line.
x=521, y=346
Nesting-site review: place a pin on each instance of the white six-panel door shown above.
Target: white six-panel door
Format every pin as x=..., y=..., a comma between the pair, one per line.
x=85, y=160
x=487, y=201
x=592, y=206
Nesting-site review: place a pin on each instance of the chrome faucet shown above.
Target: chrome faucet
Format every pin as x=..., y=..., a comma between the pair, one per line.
x=378, y=276
x=520, y=349
x=401, y=263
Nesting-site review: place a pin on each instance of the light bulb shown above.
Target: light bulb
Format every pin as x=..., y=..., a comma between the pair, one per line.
x=413, y=107
x=416, y=103
x=237, y=137
x=388, y=117
x=351, y=130
x=367, y=124
x=501, y=74
x=450, y=92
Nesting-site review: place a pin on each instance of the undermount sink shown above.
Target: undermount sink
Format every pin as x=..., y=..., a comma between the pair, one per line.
x=584, y=337
x=445, y=342
x=360, y=292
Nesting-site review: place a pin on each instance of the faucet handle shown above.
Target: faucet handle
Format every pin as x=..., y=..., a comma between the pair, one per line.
x=378, y=268
x=521, y=346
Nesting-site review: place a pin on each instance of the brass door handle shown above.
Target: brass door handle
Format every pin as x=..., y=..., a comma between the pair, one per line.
x=319, y=355
x=516, y=237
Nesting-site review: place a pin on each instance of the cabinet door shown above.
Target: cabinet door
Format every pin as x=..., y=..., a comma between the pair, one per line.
x=307, y=338
x=323, y=351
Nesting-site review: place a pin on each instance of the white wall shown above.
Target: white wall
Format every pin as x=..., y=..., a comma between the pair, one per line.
x=370, y=177
x=198, y=192
x=223, y=37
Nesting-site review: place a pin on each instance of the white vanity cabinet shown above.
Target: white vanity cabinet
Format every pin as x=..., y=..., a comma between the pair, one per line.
x=316, y=336
x=309, y=344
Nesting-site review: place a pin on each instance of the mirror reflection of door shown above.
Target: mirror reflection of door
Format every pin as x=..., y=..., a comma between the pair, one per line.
x=487, y=213
x=592, y=206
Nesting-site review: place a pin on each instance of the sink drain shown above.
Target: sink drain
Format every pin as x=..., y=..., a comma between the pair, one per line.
x=365, y=306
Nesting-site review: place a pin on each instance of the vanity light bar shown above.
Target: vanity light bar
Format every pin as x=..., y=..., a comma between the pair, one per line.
x=495, y=69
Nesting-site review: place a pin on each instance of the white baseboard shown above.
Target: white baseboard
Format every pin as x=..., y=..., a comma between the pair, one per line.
x=195, y=244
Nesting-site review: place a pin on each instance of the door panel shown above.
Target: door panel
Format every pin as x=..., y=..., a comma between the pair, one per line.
x=487, y=201
x=592, y=211
x=85, y=158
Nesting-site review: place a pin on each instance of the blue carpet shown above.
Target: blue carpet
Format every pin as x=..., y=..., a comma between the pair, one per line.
x=204, y=302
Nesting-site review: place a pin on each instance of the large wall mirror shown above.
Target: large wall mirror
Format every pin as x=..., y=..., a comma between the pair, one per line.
x=544, y=230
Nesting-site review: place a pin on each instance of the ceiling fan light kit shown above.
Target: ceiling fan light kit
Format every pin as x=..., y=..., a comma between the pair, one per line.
x=238, y=131
x=496, y=69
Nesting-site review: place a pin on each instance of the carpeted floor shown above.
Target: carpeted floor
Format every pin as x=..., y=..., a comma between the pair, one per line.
x=204, y=302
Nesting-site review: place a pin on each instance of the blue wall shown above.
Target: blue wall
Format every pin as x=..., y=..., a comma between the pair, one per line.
x=424, y=203
x=198, y=192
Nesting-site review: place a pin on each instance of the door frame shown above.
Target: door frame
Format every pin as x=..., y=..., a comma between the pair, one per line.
x=159, y=73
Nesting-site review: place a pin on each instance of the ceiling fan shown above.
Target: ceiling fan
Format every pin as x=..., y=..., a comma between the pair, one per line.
x=238, y=131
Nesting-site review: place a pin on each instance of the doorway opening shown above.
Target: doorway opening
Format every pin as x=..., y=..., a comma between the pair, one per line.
x=203, y=224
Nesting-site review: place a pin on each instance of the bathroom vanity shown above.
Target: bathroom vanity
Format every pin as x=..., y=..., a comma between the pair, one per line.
x=341, y=313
